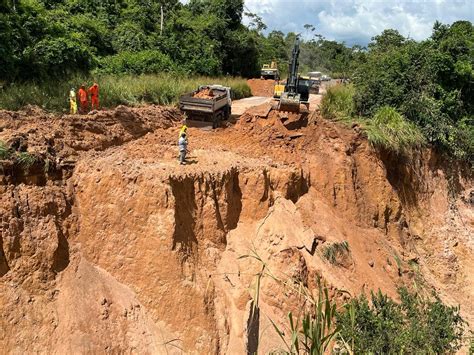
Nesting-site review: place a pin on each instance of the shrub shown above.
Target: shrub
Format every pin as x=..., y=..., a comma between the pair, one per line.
x=338, y=103
x=430, y=83
x=392, y=131
x=416, y=325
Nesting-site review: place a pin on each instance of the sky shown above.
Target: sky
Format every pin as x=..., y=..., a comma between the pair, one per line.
x=357, y=21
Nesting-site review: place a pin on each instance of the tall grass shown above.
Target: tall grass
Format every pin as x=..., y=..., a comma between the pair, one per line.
x=313, y=331
x=314, y=328
x=387, y=128
x=163, y=89
x=391, y=130
x=338, y=103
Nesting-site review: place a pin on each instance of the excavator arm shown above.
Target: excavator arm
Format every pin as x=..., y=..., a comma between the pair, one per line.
x=290, y=99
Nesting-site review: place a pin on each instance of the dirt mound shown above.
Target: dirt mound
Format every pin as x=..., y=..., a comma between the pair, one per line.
x=261, y=87
x=204, y=94
x=271, y=125
x=62, y=138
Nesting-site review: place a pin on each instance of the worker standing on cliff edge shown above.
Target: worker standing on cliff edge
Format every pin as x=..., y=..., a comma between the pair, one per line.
x=183, y=147
x=184, y=128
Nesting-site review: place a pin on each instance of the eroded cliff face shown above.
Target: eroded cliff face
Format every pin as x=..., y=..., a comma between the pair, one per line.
x=122, y=249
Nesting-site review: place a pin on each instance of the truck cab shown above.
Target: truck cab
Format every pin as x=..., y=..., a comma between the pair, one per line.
x=270, y=71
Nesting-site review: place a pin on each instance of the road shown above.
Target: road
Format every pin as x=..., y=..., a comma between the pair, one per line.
x=242, y=105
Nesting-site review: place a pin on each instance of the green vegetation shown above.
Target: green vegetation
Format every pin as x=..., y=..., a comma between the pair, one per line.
x=338, y=103
x=416, y=325
x=335, y=251
x=406, y=93
x=25, y=160
x=430, y=83
x=387, y=128
x=40, y=39
x=314, y=330
x=5, y=151
x=391, y=130
x=46, y=45
x=115, y=90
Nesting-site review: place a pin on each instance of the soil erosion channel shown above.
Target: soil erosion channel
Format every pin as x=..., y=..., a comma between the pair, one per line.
x=109, y=245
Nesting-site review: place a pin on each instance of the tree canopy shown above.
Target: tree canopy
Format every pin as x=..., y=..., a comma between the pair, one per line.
x=57, y=38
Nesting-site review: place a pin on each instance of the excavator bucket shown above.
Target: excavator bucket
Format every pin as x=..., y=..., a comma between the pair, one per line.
x=289, y=102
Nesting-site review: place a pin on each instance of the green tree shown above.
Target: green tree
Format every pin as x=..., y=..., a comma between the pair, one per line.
x=389, y=39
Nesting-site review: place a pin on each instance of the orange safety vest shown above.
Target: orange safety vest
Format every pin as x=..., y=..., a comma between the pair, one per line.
x=94, y=90
x=82, y=95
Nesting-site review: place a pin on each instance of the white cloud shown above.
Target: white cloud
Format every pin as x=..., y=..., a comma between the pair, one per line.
x=356, y=21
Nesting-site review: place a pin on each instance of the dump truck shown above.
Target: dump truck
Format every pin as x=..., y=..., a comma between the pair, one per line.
x=209, y=103
x=314, y=78
x=270, y=71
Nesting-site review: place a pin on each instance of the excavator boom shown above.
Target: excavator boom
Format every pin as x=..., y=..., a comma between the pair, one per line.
x=290, y=98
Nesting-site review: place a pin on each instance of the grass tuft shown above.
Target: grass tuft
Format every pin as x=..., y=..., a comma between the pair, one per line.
x=334, y=251
x=390, y=130
x=5, y=151
x=25, y=160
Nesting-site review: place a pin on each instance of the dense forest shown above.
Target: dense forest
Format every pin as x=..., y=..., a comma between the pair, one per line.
x=40, y=39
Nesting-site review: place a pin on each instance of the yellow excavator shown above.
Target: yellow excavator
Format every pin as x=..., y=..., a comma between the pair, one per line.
x=296, y=89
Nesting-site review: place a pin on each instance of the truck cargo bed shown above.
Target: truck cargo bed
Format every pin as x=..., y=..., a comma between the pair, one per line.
x=208, y=103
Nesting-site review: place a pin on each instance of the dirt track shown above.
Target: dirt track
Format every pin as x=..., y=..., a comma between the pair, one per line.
x=117, y=247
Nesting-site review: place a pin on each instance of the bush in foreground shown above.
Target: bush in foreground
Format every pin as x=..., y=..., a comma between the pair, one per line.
x=417, y=325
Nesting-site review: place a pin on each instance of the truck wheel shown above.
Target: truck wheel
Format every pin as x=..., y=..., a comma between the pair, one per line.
x=216, y=120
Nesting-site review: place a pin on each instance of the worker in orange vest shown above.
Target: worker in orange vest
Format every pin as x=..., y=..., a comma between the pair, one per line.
x=82, y=93
x=94, y=91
